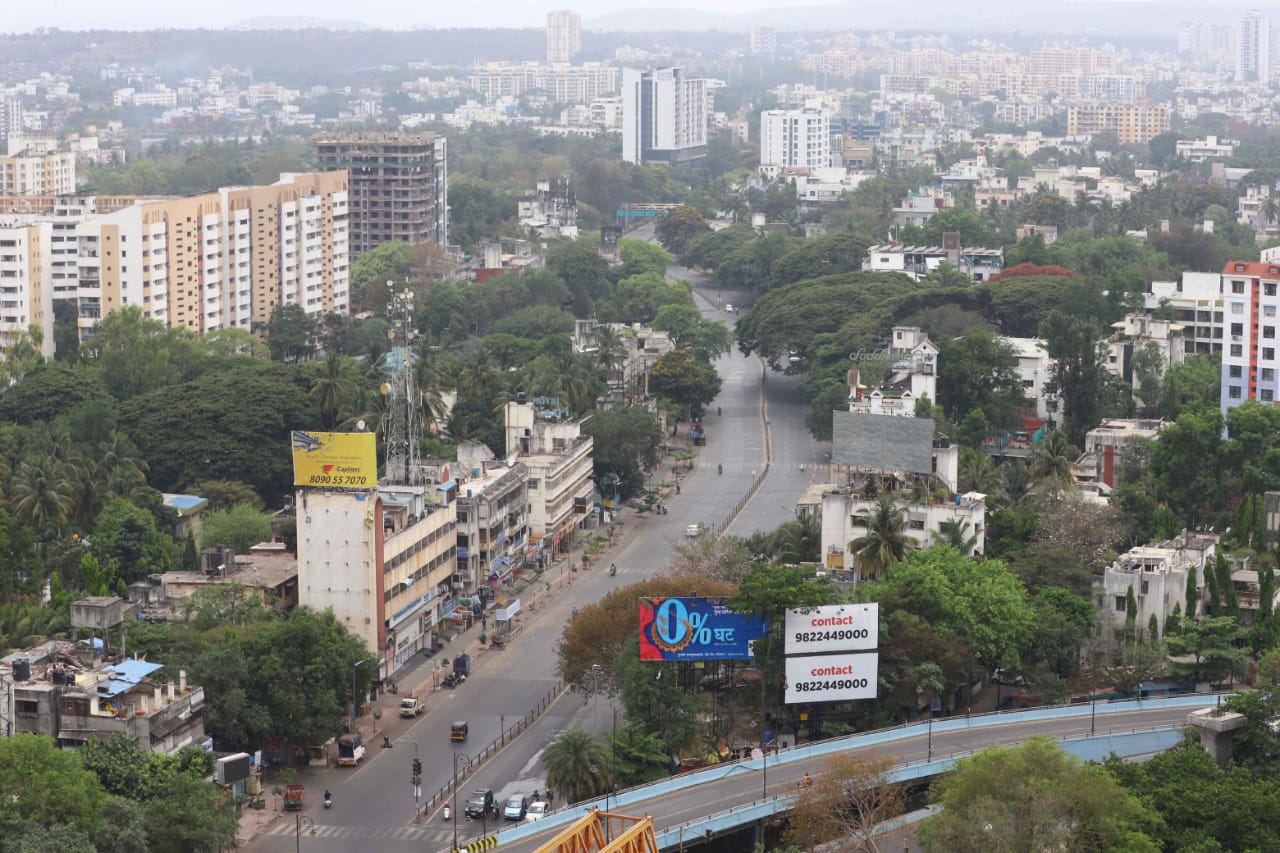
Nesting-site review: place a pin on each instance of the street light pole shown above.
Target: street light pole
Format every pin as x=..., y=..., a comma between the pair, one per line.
x=456, y=756
x=297, y=838
x=502, y=724
x=353, y=692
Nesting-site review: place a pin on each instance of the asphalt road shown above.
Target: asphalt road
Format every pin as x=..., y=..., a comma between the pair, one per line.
x=374, y=803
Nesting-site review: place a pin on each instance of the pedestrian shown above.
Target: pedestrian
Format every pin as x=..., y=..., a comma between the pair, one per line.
x=677, y=488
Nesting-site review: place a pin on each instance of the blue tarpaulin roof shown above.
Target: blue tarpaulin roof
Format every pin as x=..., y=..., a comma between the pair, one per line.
x=128, y=674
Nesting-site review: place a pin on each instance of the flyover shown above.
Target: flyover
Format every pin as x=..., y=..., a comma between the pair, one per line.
x=734, y=795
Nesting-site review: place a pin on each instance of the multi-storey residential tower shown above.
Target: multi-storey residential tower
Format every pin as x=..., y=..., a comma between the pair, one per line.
x=564, y=35
x=398, y=185
x=1251, y=293
x=664, y=116
x=1253, y=48
x=796, y=137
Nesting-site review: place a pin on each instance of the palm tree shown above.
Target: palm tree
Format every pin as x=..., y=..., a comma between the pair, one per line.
x=41, y=493
x=1016, y=485
x=796, y=541
x=1271, y=210
x=1053, y=462
x=886, y=541
x=334, y=390
x=978, y=472
x=956, y=532
x=610, y=350
x=577, y=766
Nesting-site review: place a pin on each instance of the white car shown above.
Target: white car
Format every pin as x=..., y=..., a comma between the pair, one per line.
x=537, y=811
x=693, y=530
x=728, y=308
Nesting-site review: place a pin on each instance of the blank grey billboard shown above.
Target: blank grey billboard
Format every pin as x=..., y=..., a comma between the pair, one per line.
x=882, y=442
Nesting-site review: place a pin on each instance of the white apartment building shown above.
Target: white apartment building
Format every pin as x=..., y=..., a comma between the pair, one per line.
x=564, y=35
x=800, y=137
x=559, y=457
x=1208, y=148
x=1249, y=364
x=492, y=520
x=665, y=116
x=764, y=40
x=220, y=260
x=1157, y=574
x=1133, y=334
x=1198, y=305
x=1253, y=48
x=1035, y=369
x=26, y=294
x=38, y=173
x=912, y=359
x=843, y=509
x=918, y=261
x=383, y=560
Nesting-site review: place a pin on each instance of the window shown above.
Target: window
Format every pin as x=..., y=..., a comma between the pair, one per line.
x=1234, y=392
x=1237, y=307
x=1235, y=371
x=533, y=485
x=1268, y=353
x=1237, y=328
x=1268, y=310
x=1236, y=350
x=1266, y=395
x=1268, y=331
x=1144, y=587
x=1120, y=604
x=1237, y=287
x=1269, y=288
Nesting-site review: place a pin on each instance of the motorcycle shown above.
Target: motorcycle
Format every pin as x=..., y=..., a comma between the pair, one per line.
x=328, y=800
x=448, y=812
x=719, y=469
x=613, y=570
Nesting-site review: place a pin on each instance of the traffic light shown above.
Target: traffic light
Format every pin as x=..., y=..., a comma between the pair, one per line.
x=417, y=767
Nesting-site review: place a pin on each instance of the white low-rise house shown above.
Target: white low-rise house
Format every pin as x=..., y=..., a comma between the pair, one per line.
x=1197, y=303
x=1035, y=369
x=1095, y=470
x=1135, y=333
x=1157, y=574
x=844, y=508
x=919, y=261
x=1208, y=148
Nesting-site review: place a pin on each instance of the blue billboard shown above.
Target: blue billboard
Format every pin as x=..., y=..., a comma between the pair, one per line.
x=696, y=629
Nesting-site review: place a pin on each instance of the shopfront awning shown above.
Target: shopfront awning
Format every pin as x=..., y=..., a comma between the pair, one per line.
x=505, y=614
x=459, y=614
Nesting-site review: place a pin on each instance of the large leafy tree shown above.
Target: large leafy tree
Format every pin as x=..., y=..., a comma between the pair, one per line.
x=577, y=765
x=681, y=227
x=1079, y=370
x=239, y=528
x=626, y=441
x=44, y=786
x=1186, y=463
x=1033, y=797
x=976, y=371
x=291, y=333
x=636, y=756
x=125, y=537
x=684, y=379
x=134, y=355
x=49, y=391
x=851, y=796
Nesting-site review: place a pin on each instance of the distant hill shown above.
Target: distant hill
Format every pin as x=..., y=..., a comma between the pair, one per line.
x=280, y=22
x=1116, y=18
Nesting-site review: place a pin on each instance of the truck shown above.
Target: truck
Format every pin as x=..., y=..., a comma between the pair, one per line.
x=462, y=665
x=410, y=707
x=350, y=750
x=293, y=798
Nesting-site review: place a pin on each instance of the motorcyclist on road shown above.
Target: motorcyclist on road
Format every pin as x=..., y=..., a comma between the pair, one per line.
x=719, y=469
x=613, y=569
x=806, y=781
x=328, y=798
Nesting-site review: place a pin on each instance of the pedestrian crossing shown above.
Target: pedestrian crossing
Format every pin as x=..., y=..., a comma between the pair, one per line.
x=442, y=834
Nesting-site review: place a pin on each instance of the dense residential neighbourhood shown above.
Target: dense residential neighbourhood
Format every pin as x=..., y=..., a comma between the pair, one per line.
x=366, y=385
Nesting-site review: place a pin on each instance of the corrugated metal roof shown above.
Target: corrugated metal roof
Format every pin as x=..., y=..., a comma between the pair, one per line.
x=128, y=674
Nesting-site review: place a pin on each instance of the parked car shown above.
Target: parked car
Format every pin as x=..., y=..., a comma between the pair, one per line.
x=693, y=530
x=516, y=808
x=479, y=803
x=537, y=811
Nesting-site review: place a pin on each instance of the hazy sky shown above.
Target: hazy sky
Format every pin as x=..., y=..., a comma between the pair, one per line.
x=24, y=15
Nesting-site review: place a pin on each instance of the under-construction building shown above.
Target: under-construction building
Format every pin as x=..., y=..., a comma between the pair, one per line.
x=398, y=186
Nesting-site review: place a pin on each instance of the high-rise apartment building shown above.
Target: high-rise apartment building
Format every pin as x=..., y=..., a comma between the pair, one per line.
x=398, y=186
x=1253, y=48
x=1131, y=122
x=38, y=173
x=1249, y=363
x=799, y=137
x=664, y=116
x=220, y=260
x=564, y=35
x=764, y=40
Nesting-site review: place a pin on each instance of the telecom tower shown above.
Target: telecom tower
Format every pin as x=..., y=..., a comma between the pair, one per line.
x=404, y=403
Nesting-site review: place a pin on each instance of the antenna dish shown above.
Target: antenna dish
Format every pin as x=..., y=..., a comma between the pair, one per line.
x=385, y=389
x=360, y=425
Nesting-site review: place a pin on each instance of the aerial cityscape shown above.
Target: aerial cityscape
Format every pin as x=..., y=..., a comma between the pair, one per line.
x=805, y=427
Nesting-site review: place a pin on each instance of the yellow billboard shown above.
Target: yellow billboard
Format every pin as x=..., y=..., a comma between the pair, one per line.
x=344, y=460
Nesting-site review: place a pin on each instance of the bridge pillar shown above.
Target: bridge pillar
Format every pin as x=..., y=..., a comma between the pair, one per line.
x=1215, y=727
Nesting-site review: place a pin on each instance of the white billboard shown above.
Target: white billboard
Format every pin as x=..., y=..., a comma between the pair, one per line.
x=833, y=628
x=832, y=678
